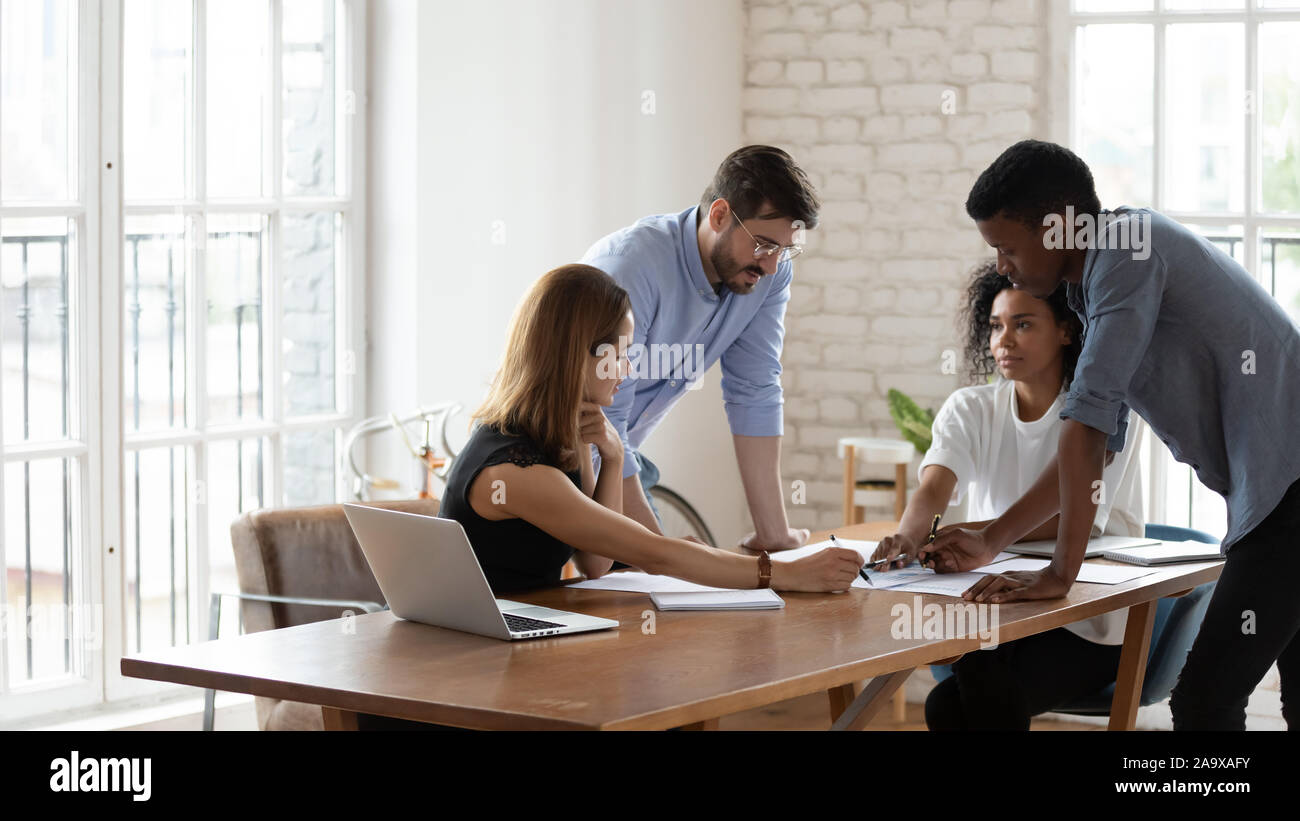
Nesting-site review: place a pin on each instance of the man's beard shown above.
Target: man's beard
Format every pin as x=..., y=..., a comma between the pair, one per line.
x=731, y=271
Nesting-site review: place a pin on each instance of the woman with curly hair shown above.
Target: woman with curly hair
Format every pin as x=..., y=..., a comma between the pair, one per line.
x=991, y=441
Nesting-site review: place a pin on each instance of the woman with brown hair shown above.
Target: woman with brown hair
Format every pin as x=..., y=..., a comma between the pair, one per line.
x=524, y=486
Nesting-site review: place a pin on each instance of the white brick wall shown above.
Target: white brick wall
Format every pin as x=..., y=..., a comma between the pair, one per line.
x=855, y=92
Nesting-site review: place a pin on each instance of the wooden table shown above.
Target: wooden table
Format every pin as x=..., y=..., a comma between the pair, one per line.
x=657, y=670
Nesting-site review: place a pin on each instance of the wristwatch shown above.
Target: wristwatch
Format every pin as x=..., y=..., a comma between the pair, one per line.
x=764, y=570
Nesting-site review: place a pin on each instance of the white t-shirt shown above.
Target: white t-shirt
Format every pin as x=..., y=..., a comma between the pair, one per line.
x=996, y=457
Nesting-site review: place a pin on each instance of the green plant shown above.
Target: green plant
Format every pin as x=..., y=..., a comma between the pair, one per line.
x=912, y=422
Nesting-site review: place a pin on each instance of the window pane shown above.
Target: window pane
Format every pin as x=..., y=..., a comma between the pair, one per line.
x=38, y=59
x=1209, y=510
x=237, y=483
x=157, y=99
x=1279, y=252
x=310, y=77
x=1279, y=121
x=1114, y=111
x=1204, y=151
x=36, y=258
x=158, y=485
x=310, y=461
x=310, y=271
x=237, y=79
x=1112, y=5
x=235, y=258
x=1204, y=5
x=155, y=284
x=41, y=546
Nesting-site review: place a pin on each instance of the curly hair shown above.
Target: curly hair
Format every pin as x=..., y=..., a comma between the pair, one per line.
x=985, y=285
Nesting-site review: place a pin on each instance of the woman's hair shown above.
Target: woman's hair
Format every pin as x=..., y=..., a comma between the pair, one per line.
x=562, y=320
x=985, y=285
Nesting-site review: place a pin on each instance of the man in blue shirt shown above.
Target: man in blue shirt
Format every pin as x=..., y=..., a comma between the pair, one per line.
x=1178, y=331
x=711, y=284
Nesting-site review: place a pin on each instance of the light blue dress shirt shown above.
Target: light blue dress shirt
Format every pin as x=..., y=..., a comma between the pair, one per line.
x=1193, y=344
x=682, y=327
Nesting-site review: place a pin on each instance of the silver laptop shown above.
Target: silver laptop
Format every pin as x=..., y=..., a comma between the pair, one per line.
x=428, y=573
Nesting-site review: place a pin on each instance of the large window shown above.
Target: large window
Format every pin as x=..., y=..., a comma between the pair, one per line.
x=216, y=145
x=1192, y=107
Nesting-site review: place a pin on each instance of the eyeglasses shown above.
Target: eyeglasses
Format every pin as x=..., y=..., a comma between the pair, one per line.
x=762, y=250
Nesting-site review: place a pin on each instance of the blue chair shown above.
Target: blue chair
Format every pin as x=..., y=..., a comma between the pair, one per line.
x=1176, y=623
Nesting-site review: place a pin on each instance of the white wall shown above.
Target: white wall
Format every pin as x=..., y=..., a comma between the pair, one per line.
x=893, y=108
x=508, y=135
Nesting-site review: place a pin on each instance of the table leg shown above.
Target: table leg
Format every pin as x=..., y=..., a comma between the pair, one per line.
x=339, y=719
x=1132, y=666
x=698, y=726
x=840, y=698
x=871, y=701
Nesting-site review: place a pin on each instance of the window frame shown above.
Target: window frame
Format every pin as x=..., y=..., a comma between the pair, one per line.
x=84, y=684
x=1064, y=22
x=103, y=443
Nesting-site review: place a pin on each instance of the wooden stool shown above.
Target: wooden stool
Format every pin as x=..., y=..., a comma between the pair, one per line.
x=874, y=451
x=881, y=452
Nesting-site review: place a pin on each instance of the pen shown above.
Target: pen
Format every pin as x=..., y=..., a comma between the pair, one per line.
x=862, y=571
x=934, y=530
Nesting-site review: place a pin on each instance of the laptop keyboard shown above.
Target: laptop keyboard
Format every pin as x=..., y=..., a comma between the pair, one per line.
x=520, y=624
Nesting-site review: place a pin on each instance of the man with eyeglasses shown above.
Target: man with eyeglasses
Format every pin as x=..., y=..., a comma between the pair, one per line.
x=707, y=284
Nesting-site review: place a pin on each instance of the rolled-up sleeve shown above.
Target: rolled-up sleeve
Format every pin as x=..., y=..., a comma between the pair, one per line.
x=642, y=296
x=751, y=366
x=1122, y=298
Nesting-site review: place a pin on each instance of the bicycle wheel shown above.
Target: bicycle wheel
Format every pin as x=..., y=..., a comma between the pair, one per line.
x=678, y=517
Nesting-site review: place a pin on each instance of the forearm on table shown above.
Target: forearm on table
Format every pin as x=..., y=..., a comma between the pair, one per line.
x=759, y=460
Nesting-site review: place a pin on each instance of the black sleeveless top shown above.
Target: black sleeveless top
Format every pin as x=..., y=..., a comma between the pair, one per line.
x=515, y=555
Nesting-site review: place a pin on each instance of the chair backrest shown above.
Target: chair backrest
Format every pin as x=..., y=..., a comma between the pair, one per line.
x=309, y=552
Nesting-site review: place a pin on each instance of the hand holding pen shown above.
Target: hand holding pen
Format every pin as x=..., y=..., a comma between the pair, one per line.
x=900, y=549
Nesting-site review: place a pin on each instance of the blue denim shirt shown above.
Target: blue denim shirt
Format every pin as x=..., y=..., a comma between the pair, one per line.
x=657, y=261
x=1193, y=344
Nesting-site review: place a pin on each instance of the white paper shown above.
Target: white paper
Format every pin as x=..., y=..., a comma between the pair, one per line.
x=635, y=581
x=1088, y=573
x=939, y=584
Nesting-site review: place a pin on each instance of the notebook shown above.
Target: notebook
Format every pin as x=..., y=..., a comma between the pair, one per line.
x=1166, y=553
x=1096, y=546
x=764, y=599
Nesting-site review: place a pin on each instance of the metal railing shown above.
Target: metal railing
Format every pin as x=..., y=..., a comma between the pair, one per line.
x=24, y=314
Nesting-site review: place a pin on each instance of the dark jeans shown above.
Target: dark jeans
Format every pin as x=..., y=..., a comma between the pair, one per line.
x=1251, y=621
x=1002, y=688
